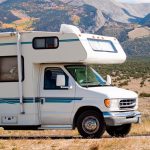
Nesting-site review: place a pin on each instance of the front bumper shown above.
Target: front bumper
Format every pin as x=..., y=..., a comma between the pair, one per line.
x=119, y=118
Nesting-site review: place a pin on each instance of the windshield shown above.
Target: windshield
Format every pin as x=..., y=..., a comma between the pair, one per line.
x=85, y=76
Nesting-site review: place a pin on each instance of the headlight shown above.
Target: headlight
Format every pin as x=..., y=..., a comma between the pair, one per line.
x=113, y=103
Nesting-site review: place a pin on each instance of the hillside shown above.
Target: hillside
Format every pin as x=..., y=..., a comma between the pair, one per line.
x=89, y=15
x=106, y=17
x=146, y=20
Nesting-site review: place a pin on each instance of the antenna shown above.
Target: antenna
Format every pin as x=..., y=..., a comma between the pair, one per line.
x=20, y=72
x=16, y=28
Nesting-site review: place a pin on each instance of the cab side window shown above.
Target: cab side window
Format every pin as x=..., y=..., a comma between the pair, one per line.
x=50, y=75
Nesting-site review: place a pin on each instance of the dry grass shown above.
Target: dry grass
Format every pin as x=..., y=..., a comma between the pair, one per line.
x=24, y=23
x=144, y=127
x=136, y=143
x=135, y=85
x=139, y=138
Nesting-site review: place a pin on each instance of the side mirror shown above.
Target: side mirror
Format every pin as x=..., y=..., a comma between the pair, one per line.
x=108, y=82
x=60, y=80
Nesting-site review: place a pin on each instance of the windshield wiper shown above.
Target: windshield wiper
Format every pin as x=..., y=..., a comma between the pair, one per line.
x=91, y=85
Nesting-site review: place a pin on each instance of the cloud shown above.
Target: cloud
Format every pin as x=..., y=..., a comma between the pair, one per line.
x=135, y=1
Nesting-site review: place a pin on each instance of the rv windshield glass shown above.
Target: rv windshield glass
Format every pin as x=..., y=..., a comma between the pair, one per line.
x=85, y=76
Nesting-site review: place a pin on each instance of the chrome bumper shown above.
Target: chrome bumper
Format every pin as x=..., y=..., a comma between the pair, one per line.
x=119, y=118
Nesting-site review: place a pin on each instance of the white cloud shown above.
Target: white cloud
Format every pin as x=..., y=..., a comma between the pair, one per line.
x=135, y=1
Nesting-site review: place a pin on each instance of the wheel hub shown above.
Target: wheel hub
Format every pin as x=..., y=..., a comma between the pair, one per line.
x=90, y=124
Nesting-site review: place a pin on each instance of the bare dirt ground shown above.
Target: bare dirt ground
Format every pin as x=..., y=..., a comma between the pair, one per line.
x=139, y=32
x=138, y=139
x=135, y=85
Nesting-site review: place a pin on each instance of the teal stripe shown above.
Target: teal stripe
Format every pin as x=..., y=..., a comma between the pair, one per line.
x=15, y=100
x=4, y=44
x=26, y=43
x=61, y=100
x=58, y=101
x=36, y=100
x=69, y=40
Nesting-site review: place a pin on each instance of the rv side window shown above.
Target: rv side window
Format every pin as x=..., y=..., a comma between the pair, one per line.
x=50, y=75
x=45, y=42
x=9, y=69
x=102, y=45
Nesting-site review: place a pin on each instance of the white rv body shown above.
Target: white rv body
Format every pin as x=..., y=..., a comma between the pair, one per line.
x=27, y=103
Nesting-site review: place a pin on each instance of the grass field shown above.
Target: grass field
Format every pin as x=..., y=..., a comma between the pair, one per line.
x=138, y=139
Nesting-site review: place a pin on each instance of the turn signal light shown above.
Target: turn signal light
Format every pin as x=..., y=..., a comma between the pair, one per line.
x=107, y=103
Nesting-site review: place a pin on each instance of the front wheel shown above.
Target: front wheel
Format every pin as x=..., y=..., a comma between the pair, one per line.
x=91, y=124
x=118, y=131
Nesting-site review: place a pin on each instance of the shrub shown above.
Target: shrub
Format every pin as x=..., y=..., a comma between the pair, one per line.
x=144, y=95
x=123, y=83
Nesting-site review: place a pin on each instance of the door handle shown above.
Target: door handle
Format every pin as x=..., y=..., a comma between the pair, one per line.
x=42, y=100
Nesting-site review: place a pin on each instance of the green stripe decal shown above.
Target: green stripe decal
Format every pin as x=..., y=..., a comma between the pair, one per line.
x=61, y=100
x=36, y=100
x=16, y=100
x=26, y=43
x=4, y=44
x=69, y=40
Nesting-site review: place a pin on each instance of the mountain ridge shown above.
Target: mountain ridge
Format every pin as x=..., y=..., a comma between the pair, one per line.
x=103, y=11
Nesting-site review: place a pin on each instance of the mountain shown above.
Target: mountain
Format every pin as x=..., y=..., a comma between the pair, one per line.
x=1, y=1
x=146, y=20
x=106, y=17
x=89, y=15
x=116, y=11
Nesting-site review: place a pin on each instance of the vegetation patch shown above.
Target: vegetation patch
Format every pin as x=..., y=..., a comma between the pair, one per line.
x=144, y=95
x=137, y=67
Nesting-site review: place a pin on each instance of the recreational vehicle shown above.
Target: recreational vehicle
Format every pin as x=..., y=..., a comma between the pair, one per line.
x=47, y=82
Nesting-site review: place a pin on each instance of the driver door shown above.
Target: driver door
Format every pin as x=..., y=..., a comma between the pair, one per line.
x=56, y=103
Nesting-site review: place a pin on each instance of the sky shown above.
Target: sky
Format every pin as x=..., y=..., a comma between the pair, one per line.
x=135, y=1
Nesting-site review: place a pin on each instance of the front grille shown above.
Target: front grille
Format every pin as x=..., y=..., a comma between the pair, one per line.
x=127, y=103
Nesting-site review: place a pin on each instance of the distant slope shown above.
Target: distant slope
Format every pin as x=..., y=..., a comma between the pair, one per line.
x=139, y=32
x=146, y=20
x=137, y=47
x=90, y=15
x=1, y=1
x=114, y=10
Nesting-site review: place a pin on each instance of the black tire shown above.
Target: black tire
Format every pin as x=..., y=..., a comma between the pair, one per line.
x=118, y=131
x=91, y=119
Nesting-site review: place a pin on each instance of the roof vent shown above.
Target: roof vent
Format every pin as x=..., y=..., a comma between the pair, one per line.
x=65, y=28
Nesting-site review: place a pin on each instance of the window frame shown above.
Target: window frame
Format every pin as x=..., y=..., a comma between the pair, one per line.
x=22, y=63
x=45, y=37
x=53, y=88
x=111, y=43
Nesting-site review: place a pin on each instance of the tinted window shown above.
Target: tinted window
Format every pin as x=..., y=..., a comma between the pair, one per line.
x=45, y=43
x=50, y=75
x=9, y=69
x=85, y=76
